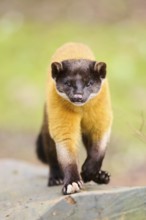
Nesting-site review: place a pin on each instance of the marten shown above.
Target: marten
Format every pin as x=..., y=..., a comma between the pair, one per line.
x=77, y=106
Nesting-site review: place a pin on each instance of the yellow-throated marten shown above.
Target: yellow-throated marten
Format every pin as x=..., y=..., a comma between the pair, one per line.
x=77, y=104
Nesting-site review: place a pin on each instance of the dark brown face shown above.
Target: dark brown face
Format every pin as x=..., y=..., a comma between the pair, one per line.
x=78, y=80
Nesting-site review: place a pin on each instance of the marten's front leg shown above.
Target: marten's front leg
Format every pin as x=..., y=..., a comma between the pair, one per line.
x=68, y=160
x=65, y=131
x=91, y=169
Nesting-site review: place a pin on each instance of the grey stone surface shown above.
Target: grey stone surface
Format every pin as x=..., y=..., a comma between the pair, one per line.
x=23, y=190
x=24, y=195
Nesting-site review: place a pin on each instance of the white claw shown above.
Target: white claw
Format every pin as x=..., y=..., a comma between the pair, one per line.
x=73, y=188
x=80, y=183
x=69, y=189
x=60, y=181
x=57, y=181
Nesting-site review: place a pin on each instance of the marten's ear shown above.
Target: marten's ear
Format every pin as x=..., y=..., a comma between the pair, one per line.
x=100, y=68
x=56, y=69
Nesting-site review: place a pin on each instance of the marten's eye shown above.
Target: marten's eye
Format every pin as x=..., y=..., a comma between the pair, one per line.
x=90, y=83
x=67, y=83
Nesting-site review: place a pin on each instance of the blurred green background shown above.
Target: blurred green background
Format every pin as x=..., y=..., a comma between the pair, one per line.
x=30, y=32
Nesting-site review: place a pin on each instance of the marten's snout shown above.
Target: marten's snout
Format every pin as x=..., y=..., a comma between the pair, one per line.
x=78, y=97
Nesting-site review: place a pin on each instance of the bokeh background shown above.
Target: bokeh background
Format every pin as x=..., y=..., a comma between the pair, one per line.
x=30, y=31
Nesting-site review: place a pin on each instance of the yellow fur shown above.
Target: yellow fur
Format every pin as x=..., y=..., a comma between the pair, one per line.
x=66, y=121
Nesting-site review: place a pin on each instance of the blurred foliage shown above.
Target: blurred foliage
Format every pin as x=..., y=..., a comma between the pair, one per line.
x=85, y=11
x=26, y=49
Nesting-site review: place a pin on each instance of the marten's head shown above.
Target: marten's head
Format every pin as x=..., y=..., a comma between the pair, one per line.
x=78, y=80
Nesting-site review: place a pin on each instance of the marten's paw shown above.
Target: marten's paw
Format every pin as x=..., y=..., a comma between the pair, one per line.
x=56, y=177
x=102, y=177
x=91, y=172
x=73, y=187
x=90, y=169
x=55, y=181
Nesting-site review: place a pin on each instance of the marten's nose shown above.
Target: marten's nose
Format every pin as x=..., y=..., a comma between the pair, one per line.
x=78, y=97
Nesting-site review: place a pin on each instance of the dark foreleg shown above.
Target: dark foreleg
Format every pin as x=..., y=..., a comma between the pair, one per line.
x=91, y=169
